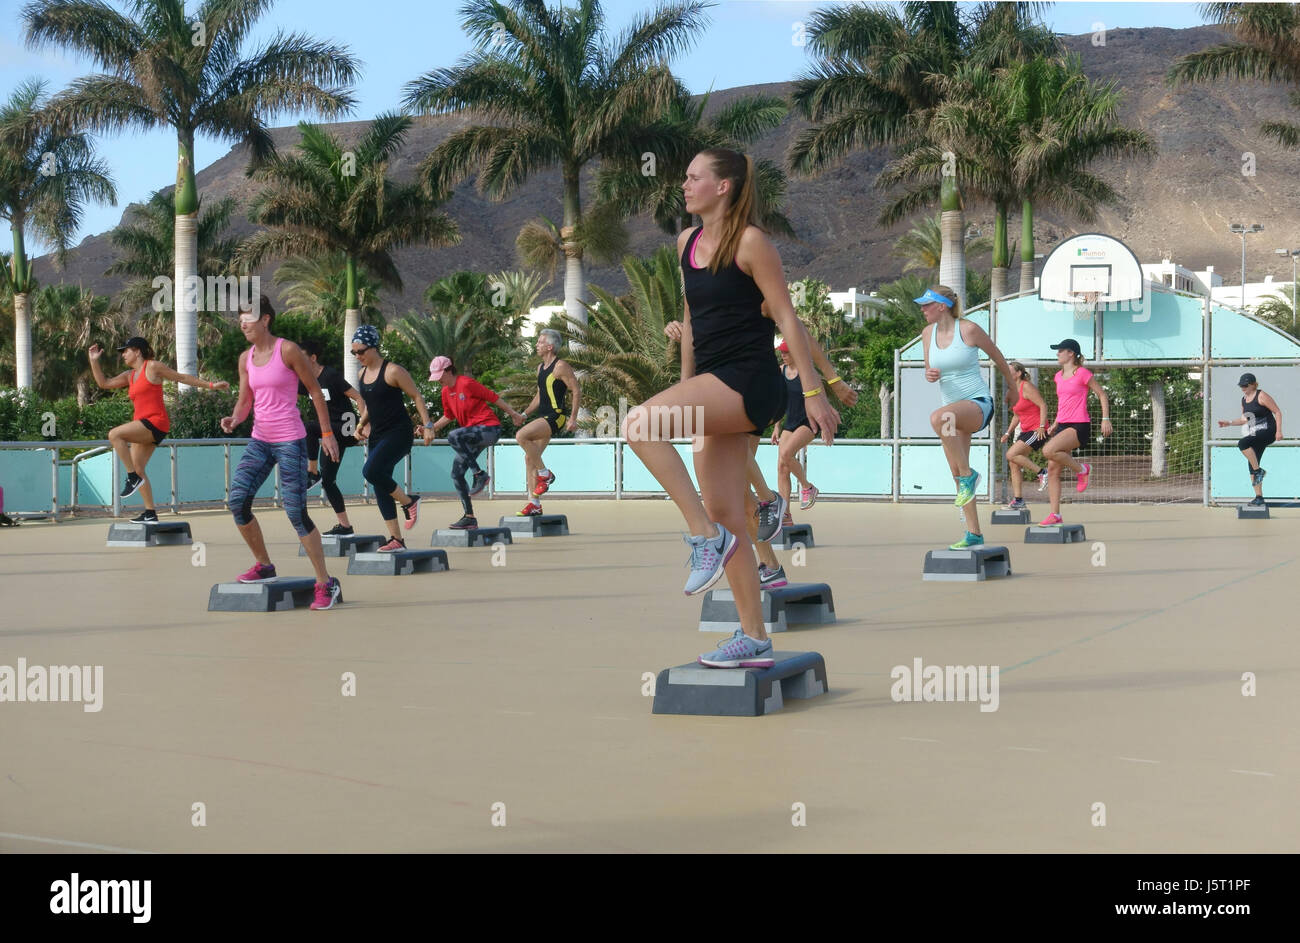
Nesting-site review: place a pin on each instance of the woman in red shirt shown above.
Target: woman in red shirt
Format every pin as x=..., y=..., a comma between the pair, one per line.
x=135, y=441
x=465, y=402
x=1031, y=416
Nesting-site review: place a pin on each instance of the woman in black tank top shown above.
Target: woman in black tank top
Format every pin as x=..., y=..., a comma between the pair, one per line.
x=1262, y=418
x=387, y=426
x=730, y=390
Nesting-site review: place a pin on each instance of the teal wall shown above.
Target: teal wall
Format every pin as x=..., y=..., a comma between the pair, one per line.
x=1168, y=328
x=1230, y=476
x=25, y=476
x=586, y=469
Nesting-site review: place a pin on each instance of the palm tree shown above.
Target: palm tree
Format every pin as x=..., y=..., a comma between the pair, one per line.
x=169, y=69
x=48, y=172
x=67, y=318
x=444, y=334
x=1266, y=48
x=625, y=353
x=317, y=286
x=518, y=292
x=147, y=245
x=329, y=199
x=921, y=247
x=626, y=183
x=556, y=92
x=875, y=85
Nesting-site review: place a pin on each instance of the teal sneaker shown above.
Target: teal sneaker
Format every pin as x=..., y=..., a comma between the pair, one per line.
x=970, y=540
x=740, y=651
x=966, y=488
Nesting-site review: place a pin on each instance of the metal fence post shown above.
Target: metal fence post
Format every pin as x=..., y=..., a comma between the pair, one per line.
x=176, y=505
x=112, y=483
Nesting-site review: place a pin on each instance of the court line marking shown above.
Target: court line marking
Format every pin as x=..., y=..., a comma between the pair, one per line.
x=1148, y=615
x=1250, y=772
x=1134, y=759
x=1029, y=749
x=919, y=739
x=74, y=844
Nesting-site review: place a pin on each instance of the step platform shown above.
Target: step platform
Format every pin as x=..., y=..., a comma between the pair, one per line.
x=473, y=537
x=1008, y=516
x=1056, y=534
x=1252, y=512
x=792, y=604
x=399, y=563
x=149, y=534
x=542, y=525
x=278, y=595
x=740, y=692
x=970, y=565
x=336, y=545
x=797, y=534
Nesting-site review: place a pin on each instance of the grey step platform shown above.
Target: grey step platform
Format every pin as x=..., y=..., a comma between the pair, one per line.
x=972, y=565
x=162, y=533
x=1056, y=534
x=285, y=592
x=792, y=604
x=399, y=563
x=542, y=525
x=1253, y=512
x=740, y=692
x=1008, y=516
x=797, y=534
x=336, y=545
x=474, y=537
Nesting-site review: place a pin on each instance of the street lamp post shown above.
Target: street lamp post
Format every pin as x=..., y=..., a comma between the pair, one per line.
x=1242, y=231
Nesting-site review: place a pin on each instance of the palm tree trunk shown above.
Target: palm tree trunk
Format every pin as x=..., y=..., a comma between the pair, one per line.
x=886, y=414
x=83, y=392
x=575, y=282
x=1001, y=255
x=952, y=225
x=21, y=278
x=22, y=341
x=351, y=321
x=187, y=260
x=1159, y=466
x=1027, y=247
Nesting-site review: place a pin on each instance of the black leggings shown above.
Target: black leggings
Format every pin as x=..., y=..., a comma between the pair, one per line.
x=329, y=469
x=1258, y=441
x=385, y=452
x=467, y=442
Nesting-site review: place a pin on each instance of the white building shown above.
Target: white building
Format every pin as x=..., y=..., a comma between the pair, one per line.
x=1180, y=278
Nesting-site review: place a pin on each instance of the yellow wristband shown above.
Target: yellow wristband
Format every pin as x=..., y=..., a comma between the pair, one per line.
x=808, y=393
x=834, y=380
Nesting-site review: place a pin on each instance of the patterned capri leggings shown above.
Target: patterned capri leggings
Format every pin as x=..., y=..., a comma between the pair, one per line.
x=468, y=442
x=259, y=459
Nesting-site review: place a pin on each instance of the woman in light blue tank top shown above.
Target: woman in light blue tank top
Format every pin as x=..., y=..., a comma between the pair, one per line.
x=952, y=349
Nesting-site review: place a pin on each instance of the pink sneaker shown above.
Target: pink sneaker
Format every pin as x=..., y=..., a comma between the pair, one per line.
x=411, y=511
x=1082, y=484
x=1050, y=520
x=327, y=594
x=260, y=573
x=808, y=497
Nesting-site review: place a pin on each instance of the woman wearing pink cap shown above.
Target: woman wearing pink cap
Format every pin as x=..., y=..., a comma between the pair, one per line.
x=465, y=402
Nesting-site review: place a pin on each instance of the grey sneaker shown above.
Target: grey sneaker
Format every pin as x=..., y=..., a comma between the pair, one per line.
x=708, y=556
x=1257, y=475
x=769, y=516
x=769, y=578
x=740, y=651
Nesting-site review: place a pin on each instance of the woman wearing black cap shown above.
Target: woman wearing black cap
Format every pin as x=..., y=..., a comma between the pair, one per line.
x=1074, y=382
x=135, y=441
x=1263, y=421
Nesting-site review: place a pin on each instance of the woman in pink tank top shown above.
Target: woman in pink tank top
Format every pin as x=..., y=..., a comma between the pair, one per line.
x=1072, y=428
x=269, y=374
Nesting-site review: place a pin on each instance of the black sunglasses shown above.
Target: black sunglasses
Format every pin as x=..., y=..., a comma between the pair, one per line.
x=358, y=353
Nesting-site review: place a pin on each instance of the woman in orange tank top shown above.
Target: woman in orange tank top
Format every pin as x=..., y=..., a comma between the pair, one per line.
x=135, y=441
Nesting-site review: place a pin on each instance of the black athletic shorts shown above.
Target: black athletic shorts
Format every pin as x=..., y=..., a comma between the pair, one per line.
x=556, y=421
x=1082, y=429
x=761, y=387
x=1030, y=438
x=158, y=434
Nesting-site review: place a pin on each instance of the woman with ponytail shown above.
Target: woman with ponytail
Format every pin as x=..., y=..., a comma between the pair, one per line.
x=731, y=388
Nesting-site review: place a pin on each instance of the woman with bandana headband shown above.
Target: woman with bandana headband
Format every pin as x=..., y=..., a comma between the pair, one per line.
x=387, y=425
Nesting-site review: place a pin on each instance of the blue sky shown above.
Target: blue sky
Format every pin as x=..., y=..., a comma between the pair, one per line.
x=748, y=42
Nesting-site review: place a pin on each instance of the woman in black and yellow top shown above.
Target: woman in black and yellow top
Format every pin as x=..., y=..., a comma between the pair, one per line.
x=556, y=381
x=1262, y=417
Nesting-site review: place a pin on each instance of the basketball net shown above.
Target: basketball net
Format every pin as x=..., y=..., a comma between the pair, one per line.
x=1085, y=303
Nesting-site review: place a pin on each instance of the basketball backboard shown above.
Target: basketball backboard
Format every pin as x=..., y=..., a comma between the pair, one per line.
x=1091, y=262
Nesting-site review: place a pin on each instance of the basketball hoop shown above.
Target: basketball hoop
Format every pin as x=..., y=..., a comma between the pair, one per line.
x=1085, y=304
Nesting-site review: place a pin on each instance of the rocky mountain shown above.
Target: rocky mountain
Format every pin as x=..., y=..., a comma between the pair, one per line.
x=1213, y=168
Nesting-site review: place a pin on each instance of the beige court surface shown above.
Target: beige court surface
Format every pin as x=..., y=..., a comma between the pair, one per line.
x=522, y=684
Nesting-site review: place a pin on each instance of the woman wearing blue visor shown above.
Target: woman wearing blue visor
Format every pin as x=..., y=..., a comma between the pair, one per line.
x=952, y=348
